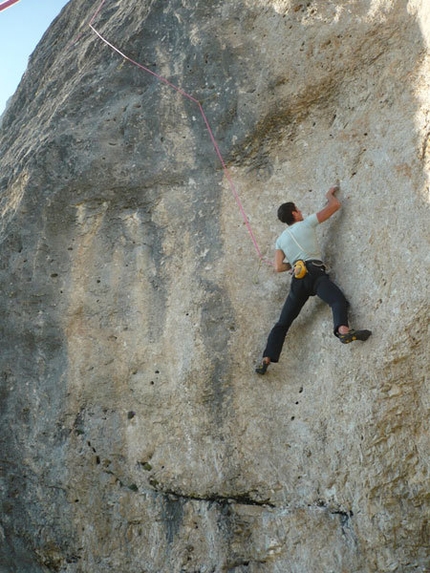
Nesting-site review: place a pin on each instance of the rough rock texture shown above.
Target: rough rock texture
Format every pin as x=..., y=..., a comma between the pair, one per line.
x=135, y=436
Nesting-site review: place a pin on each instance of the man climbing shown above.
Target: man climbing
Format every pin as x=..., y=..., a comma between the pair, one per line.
x=297, y=250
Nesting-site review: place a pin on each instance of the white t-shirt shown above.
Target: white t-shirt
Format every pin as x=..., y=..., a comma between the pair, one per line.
x=304, y=233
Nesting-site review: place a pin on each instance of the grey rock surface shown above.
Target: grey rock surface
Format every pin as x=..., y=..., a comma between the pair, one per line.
x=135, y=435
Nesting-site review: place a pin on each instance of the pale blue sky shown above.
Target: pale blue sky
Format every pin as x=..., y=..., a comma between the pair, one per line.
x=21, y=27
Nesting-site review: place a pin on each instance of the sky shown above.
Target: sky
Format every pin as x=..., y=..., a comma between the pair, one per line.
x=22, y=25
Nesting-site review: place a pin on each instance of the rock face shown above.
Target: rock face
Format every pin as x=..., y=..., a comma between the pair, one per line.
x=135, y=435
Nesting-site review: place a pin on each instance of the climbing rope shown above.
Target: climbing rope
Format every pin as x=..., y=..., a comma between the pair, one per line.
x=205, y=119
x=7, y=3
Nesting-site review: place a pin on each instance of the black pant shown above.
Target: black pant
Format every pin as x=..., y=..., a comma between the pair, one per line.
x=316, y=282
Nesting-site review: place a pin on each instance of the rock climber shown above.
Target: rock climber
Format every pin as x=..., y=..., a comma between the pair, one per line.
x=297, y=251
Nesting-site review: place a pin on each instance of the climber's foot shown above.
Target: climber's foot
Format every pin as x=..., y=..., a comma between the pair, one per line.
x=354, y=335
x=262, y=367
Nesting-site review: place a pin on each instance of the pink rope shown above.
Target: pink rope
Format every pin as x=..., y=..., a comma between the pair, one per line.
x=4, y=5
x=205, y=119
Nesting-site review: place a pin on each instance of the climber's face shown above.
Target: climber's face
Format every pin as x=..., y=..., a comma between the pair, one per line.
x=297, y=214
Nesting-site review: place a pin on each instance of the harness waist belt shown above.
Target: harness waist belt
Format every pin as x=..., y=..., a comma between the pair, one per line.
x=316, y=262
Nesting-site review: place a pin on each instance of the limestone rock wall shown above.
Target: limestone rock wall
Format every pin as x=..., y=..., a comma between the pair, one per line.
x=135, y=435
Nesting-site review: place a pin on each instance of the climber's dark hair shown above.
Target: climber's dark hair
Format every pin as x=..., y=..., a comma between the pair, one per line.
x=285, y=213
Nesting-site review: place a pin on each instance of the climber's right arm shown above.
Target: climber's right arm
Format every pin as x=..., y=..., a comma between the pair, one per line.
x=280, y=265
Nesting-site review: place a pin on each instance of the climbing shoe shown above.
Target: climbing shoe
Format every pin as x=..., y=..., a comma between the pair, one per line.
x=354, y=335
x=262, y=367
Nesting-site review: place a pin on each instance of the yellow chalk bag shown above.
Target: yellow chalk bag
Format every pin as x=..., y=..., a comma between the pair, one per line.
x=300, y=269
